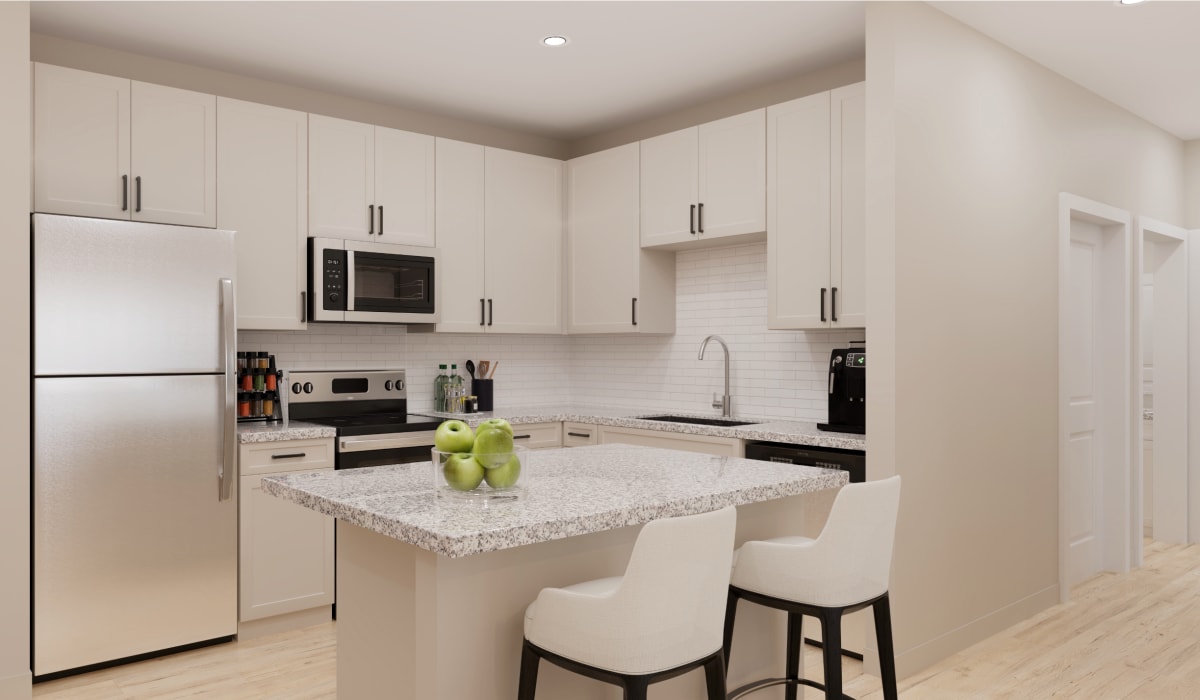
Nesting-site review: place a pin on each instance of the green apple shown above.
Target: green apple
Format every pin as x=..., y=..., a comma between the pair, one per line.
x=505, y=475
x=453, y=436
x=496, y=423
x=462, y=472
x=492, y=447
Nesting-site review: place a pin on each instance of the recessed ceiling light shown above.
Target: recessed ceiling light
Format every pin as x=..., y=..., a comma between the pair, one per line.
x=555, y=41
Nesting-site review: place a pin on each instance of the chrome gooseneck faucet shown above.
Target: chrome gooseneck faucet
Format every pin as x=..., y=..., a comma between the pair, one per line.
x=723, y=403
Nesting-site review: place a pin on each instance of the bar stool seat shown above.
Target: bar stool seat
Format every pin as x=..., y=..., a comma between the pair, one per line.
x=659, y=620
x=846, y=568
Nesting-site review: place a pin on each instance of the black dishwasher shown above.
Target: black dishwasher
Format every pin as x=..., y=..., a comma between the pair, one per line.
x=853, y=461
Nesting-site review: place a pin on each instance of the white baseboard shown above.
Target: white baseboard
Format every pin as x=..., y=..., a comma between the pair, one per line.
x=18, y=687
x=926, y=654
x=281, y=623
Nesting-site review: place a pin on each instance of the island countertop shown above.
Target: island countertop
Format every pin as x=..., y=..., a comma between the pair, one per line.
x=569, y=492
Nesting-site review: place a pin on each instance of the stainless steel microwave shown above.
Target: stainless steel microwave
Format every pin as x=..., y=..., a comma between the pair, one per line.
x=360, y=282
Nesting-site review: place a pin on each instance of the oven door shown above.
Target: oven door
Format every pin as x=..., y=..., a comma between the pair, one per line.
x=358, y=451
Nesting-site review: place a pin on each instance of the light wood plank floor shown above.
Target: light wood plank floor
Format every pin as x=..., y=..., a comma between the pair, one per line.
x=1120, y=636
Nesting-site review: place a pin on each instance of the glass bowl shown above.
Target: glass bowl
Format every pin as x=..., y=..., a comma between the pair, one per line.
x=490, y=477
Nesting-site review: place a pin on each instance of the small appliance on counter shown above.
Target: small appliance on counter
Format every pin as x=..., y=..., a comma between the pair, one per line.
x=847, y=390
x=258, y=396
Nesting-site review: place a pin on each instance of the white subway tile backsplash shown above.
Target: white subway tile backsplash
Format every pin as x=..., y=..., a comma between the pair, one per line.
x=720, y=291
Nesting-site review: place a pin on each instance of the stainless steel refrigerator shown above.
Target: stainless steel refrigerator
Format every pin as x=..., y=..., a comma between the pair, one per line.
x=134, y=440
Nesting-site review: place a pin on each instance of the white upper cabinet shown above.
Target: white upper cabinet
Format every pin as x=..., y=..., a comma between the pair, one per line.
x=499, y=231
x=262, y=184
x=118, y=149
x=704, y=182
x=815, y=211
x=370, y=183
x=613, y=285
x=524, y=231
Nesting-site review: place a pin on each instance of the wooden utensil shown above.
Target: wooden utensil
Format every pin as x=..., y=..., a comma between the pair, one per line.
x=483, y=368
x=495, y=365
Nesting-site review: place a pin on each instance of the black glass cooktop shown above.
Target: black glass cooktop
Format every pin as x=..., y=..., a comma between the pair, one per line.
x=378, y=423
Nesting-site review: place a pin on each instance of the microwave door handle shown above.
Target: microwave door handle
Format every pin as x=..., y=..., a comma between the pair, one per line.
x=349, y=280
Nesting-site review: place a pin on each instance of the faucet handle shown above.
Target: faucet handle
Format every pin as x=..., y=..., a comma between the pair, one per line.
x=718, y=403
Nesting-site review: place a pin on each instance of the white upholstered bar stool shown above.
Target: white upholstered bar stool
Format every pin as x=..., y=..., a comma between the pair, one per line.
x=660, y=620
x=845, y=569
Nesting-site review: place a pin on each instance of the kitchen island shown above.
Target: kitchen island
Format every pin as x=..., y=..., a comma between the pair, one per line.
x=432, y=592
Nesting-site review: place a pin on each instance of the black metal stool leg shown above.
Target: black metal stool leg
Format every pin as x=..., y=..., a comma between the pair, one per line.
x=795, y=647
x=831, y=636
x=730, y=611
x=714, y=677
x=636, y=688
x=882, y=610
x=529, y=672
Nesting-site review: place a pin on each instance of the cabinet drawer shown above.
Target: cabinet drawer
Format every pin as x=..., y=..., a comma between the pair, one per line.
x=538, y=435
x=286, y=456
x=579, y=434
x=707, y=444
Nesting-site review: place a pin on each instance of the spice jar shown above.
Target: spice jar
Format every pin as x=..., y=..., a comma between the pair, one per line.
x=268, y=404
x=242, y=362
x=256, y=403
x=260, y=380
x=263, y=360
x=243, y=404
x=271, y=381
x=247, y=381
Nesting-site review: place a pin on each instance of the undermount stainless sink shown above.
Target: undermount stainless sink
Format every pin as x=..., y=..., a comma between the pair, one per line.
x=725, y=422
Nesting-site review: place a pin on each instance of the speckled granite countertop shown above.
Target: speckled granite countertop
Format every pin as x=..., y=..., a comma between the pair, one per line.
x=570, y=491
x=273, y=432
x=770, y=429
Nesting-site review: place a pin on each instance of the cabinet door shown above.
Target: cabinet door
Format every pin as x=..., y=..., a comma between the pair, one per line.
x=732, y=186
x=798, y=213
x=286, y=555
x=848, y=202
x=404, y=187
x=669, y=168
x=459, y=217
x=341, y=178
x=262, y=184
x=603, y=245
x=523, y=255
x=80, y=143
x=174, y=153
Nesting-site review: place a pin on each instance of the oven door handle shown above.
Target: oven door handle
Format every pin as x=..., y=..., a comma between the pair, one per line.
x=423, y=439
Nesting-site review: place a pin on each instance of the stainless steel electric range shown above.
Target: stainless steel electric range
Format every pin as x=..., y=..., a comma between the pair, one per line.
x=369, y=409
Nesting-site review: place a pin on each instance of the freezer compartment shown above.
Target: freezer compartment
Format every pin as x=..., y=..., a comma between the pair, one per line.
x=113, y=297
x=133, y=549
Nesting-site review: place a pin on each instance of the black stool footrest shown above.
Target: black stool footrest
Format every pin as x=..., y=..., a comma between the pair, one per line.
x=755, y=686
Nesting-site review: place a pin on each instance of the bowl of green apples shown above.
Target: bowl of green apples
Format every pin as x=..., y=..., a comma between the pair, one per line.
x=478, y=465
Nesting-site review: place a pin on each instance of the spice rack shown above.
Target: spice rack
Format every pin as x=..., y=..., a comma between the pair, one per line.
x=258, y=387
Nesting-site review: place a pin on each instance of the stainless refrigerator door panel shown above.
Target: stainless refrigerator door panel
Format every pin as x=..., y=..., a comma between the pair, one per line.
x=133, y=550
x=113, y=297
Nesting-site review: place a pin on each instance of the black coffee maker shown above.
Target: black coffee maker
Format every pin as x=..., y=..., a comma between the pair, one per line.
x=847, y=390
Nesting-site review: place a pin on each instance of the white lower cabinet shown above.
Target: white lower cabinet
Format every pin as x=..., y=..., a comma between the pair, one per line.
x=707, y=444
x=538, y=436
x=580, y=434
x=286, y=555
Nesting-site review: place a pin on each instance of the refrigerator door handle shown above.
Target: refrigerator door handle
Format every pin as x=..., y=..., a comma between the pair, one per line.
x=228, y=340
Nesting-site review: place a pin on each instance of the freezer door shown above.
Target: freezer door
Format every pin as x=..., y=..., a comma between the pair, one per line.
x=133, y=549
x=114, y=297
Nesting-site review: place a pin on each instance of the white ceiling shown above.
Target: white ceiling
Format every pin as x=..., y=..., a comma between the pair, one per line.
x=627, y=61
x=484, y=61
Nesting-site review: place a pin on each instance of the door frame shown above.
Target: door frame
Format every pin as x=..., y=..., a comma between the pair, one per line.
x=1194, y=391
x=1116, y=477
x=1170, y=495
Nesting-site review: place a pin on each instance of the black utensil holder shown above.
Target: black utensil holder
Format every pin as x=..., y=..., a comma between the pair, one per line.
x=482, y=389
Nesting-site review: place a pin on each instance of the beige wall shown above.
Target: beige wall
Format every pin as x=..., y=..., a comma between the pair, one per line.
x=969, y=144
x=73, y=54
x=14, y=351
x=1191, y=217
x=761, y=96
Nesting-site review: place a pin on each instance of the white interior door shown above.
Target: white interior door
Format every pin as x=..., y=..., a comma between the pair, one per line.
x=1095, y=377
x=1084, y=485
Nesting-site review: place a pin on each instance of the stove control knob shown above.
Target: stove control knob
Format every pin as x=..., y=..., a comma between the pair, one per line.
x=399, y=385
x=308, y=387
x=333, y=296
x=387, y=386
x=296, y=388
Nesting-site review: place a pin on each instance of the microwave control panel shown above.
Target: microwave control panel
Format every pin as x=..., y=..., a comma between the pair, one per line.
x=333, y=280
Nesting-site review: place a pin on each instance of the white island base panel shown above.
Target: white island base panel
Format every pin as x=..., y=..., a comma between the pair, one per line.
x=415, y=625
